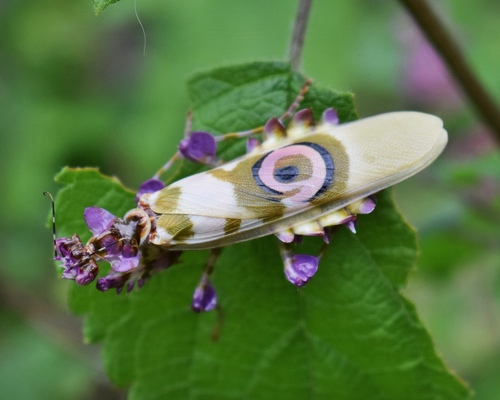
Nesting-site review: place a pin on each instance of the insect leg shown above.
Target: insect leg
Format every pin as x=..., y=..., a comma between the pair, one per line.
x=298, y=268
x=298, y=99
x=204, y=297
x=177, y=155
x=167, y=165
x=201, y=146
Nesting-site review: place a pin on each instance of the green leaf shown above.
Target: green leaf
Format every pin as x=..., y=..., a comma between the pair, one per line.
x=100, y=5
x=235, y=99
x=349, y=334
x=84, y=187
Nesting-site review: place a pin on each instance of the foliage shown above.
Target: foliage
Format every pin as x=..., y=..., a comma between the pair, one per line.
x=78, y=91
x=100, y=5
x=349, y=333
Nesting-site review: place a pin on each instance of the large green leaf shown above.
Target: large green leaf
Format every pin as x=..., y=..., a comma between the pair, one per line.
x=349, y=334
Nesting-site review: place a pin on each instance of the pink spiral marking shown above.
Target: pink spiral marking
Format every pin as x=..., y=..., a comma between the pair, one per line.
x=322, y=172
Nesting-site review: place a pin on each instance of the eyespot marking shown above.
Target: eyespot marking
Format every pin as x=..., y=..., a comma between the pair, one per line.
x=286, y=174
x=298, y=172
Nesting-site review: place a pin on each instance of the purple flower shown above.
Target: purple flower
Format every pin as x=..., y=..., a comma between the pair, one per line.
x=204, y=296
x=122, y=256
x=78, y=264
x=286, y=236
x=153, y=260
x=303, y=118
x=368, y=205
x=122, y=263
x=98, y=220
x=87, y=273
x=68, y=250
x=274, y=129
x=114, y=280
x=199, y=147
x=112, y=245
x=150, y=186
x=300, y=268
x=326, y=236
x=425, y=77
x=363, y=206
x=252, y=144
x=330, y=117
x=351, y=224
x=116, y=241
x=109, y=244
x=118, y=280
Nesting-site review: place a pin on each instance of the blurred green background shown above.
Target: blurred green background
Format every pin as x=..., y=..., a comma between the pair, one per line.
x=77, y=90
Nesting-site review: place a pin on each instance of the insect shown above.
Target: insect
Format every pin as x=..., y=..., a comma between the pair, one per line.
x=300, y=180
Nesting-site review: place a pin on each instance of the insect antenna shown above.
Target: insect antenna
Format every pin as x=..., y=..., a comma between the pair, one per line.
x=298, y=99
x=97, y=251
x=177, y=155
x=54, y=237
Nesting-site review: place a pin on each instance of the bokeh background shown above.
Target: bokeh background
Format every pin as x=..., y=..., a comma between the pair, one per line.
x=80, y=90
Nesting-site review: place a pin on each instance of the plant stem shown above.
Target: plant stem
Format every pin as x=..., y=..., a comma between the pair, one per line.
x=299, y=32
x=449, y=50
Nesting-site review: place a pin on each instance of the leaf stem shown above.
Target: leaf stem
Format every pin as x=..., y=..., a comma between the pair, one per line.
x=450, y=52
x=299, y=32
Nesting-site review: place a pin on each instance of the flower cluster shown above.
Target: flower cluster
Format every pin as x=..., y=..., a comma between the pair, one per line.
x=76, y=259
x=116, y=241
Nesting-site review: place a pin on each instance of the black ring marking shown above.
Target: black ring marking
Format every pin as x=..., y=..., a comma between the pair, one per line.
x=289, y=173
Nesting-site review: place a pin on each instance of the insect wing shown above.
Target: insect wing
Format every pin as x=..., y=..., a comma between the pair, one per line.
x=302, y=179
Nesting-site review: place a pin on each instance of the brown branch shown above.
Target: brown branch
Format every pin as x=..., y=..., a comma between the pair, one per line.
x=299, y=32
x=449, y=50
